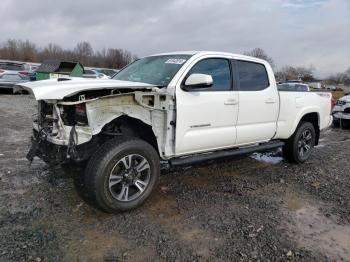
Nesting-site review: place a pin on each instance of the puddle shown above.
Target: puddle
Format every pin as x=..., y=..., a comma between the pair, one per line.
x=315, y=231
x=163, y=209
x=162, y=206
x=95, y=245
x=271, y=158
x=294, y=204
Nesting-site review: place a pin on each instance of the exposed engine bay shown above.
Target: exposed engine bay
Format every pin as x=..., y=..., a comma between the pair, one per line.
x=72, y=128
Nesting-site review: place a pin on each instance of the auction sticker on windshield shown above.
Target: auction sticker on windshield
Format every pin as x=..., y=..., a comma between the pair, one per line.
x=175, y=61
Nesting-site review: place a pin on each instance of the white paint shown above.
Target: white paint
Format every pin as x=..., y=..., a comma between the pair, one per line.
x=205, y=121
x=57, y=90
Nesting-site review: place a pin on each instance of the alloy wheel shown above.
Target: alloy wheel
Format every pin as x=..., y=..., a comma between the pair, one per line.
x=129, y=178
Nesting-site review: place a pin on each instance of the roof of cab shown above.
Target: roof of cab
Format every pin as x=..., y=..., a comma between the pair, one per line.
x=192, y=53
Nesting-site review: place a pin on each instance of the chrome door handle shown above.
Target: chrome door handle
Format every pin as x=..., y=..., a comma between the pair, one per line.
x=231, y=102
x=270, y=101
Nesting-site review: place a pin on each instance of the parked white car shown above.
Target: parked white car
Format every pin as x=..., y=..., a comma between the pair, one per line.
x=8, y=79
x=341, y=112
x=170, y=109
x=315, y=85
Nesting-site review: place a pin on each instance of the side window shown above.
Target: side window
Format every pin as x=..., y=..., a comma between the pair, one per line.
x=252, y=76
x=218, y=68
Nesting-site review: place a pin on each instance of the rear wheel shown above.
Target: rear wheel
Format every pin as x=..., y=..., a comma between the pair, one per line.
x=122, y=174
x=298, y=148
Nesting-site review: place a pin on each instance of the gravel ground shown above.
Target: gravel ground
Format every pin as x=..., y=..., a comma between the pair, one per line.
x=252, y=208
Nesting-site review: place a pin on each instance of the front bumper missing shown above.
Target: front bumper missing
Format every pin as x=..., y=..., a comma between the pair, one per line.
x=54, y=151
x=50, y=153
x=83, y=135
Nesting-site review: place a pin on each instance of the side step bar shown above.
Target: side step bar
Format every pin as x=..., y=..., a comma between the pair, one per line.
x=194, y=159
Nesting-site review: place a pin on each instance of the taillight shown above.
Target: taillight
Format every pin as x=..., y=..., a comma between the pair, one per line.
x=1, y=71
x=24, y=72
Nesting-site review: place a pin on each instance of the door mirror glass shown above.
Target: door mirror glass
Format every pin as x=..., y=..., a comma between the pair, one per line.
x=198, y=81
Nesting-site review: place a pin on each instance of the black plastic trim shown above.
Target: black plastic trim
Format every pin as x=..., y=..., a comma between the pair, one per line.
x=194, y=159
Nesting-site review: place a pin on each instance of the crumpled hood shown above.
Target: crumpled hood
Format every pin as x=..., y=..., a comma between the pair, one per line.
x=59, y=88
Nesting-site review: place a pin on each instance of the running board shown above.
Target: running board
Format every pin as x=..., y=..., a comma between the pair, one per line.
x=194, y=159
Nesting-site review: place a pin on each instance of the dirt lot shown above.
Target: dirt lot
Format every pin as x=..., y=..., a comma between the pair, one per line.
x=253, y=208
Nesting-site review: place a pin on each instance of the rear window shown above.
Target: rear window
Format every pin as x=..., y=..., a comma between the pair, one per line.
x=293, y=87
x=13, y=67
x=90, y=72
x=252, y=76
x=11, y=77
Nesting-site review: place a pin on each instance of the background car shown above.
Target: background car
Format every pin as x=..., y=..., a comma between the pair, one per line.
x=294, y=86
x=92, y=73
x=9, y=79
x=108, y=72
x=89, y=73
x=11, y=66
x=341, y=112
x=331, y=87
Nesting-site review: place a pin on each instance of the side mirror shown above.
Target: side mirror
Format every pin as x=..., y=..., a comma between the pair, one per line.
x=198, y=81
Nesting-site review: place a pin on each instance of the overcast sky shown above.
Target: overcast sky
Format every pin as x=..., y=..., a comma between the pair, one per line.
x=293, y=32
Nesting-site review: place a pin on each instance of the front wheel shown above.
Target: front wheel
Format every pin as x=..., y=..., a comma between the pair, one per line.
x=298, y=147
x=121, y=175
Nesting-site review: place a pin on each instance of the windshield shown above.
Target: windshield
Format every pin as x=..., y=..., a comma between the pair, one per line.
x=155, y=70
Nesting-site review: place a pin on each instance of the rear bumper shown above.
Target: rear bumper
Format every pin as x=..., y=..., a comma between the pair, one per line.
x=340, y=115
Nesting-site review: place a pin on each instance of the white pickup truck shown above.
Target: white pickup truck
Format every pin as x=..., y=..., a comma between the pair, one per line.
x=170, y=109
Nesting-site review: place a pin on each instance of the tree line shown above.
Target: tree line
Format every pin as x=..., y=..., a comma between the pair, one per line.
x=27, y=51
x=298, y=72
x=286, y=72
x=117, y=58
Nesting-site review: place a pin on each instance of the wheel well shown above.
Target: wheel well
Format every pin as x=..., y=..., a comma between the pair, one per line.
x=313, y=119
x=129, y=126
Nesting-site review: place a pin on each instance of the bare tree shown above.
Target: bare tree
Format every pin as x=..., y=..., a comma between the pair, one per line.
x=295, y=73
x=260, y=53
x=83, y=52
x=27, y=51
x=52, y=51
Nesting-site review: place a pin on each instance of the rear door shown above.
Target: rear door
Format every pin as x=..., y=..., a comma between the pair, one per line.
x=206, y=119
x=258, y=103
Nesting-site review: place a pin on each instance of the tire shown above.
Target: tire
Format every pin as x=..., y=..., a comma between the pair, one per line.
x=121, y=174
x=298, y=147
x=336, y=123
x=345, y=124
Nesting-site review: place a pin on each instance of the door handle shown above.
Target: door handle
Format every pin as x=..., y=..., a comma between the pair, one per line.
x=270, y=101
x=231, y=102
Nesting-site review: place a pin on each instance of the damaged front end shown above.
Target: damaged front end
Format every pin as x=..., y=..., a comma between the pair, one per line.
x=60, y=132
x=71, y=129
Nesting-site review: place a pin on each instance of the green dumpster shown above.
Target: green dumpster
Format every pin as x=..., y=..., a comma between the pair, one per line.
x=50, y=69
